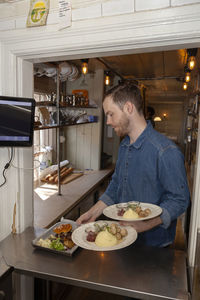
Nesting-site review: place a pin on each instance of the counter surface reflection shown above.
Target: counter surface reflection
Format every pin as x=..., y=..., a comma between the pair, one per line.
x=142, y=273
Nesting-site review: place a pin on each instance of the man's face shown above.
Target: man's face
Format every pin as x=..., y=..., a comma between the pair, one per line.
x=116, y=117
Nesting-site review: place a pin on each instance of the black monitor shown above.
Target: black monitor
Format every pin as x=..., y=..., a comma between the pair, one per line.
x=16, y=121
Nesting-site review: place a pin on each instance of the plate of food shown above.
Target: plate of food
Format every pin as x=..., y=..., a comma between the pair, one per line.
x=104, y=236
x=58, y=238
x=132, y=211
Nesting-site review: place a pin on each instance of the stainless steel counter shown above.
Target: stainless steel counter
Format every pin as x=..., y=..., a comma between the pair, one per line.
x=143, y=273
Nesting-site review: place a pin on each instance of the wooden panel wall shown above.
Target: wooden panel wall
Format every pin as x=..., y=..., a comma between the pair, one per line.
x=83, y=142
x=173, y=123
x=80, y=143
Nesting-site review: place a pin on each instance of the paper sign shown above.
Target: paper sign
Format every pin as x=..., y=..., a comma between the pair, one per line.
x=38, y=13
x=65, y=14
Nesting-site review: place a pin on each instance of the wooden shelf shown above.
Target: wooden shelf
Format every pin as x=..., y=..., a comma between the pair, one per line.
x=49, y=103
x=45, y=103
x=60, y=126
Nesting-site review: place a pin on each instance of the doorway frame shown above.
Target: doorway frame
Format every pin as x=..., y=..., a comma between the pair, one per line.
x=175, y=28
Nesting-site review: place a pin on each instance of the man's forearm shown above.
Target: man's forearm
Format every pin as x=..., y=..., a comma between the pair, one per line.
x=141, y=226
x=97, y=209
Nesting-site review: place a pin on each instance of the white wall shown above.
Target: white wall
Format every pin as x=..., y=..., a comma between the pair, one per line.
x=173, y=123
x=98, y=28
x=82, y=141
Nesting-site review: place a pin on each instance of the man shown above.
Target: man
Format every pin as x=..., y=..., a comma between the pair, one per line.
x=150, y=168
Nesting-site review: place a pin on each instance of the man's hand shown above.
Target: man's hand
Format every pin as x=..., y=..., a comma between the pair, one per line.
x=93, y=213
x=142, y=226
x=86, y=218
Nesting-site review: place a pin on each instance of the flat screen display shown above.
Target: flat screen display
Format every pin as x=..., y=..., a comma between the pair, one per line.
x=16, y=121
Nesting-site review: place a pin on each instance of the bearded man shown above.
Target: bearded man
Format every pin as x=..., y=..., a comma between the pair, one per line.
x=150, y=168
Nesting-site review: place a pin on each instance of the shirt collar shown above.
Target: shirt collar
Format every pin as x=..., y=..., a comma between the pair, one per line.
x=138, y=143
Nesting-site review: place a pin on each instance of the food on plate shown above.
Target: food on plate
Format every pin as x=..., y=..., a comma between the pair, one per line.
x=130, y=214
x=132, y=211
x=62, y=228
x=106, y=235
x=61, y=240
x=105, y=239
x=44, y=243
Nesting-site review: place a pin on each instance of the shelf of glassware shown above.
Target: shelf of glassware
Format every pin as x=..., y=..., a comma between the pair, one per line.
x=60, y=126
x=64, y=106
x=52, y=104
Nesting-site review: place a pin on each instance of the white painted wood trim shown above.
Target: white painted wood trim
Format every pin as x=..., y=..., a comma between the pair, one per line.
x=195, y=205
x=133, y=33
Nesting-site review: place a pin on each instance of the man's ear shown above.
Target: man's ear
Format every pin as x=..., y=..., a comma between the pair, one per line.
x=129, y=107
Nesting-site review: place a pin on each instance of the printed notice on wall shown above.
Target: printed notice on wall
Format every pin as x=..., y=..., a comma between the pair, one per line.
x=38, y=13
x=65, y=14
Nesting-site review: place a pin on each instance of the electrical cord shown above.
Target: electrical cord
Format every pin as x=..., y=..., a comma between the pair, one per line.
x=21, y=168
x=6, y=167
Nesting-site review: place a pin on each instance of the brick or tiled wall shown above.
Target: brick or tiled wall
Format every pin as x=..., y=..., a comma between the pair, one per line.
x=92, y=11
x=117, y=7
x=14, y=15
x=153, y=4
x=183, y=2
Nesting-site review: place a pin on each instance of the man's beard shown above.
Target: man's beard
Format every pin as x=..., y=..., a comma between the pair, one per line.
x=123, y=126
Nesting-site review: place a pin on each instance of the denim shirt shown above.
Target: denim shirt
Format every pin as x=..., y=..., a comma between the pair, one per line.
x=151, y=170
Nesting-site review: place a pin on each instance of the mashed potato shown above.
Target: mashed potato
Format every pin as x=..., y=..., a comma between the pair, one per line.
x=105, y=239
x=130, y=214
x=44, y=243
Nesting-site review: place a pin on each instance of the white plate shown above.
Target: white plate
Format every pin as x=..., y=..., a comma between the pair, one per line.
x=79, y=237
x=112, y=210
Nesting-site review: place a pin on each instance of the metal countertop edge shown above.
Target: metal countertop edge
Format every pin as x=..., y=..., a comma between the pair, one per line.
x=94, y=286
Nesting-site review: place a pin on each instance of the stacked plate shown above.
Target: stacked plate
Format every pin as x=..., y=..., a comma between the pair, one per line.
x=50, y=72
x=74, y=74
x=67, y=71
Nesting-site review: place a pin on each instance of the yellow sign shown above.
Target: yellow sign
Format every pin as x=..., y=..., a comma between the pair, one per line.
x=38, y=13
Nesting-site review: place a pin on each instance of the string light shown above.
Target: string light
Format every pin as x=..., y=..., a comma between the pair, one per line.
x=185, y=86
x=191, y=57
x=191, y=62
x=84, y=66
x=187, y=77
x=107, y=78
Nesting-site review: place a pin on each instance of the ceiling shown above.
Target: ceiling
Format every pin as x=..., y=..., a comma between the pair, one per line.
x=161, y=73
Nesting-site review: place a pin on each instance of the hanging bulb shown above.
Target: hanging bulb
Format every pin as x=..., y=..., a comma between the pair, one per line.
x=185, y=86
x=191, y=62
x=187, y=77
x=107, y=78
x=164, y=115
x=84, y=66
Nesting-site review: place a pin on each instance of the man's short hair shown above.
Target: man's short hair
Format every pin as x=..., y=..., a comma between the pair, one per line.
x=126, y=91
